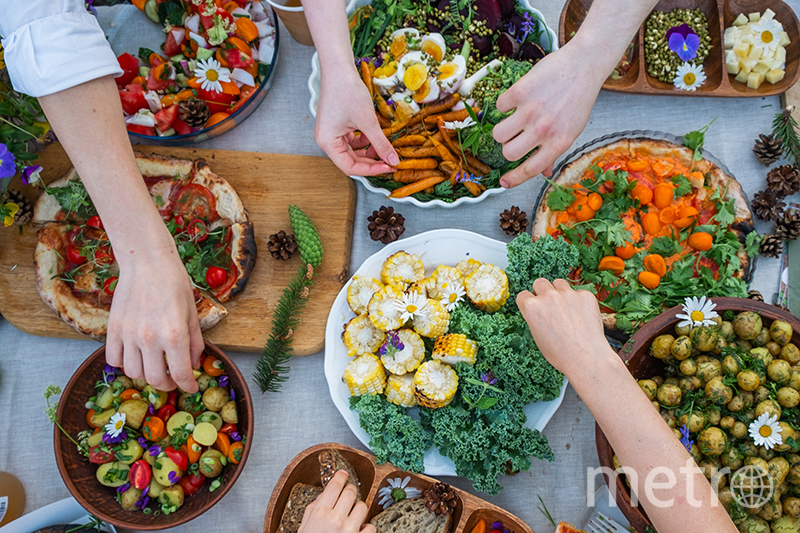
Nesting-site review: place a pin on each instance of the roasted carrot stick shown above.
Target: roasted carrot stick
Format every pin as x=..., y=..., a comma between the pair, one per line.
x=435, y=109
x=461, y=114
x=476, y=163
x=410, y=176
x=366, y=75
x=415, y=187
x=443, y=152
x=383, y=122
x=418, y=164
x=418, y=152
x=409, y=140
x=451, y=144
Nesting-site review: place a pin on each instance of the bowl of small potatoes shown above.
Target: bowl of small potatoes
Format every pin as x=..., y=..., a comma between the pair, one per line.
x=144, y=459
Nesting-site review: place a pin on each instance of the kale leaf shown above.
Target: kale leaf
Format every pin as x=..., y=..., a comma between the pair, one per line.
x=547, y=257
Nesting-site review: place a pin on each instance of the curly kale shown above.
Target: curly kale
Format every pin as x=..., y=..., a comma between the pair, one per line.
x=393, y=435
x=547, y=257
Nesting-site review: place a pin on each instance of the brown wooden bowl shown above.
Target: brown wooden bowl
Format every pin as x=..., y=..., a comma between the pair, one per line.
x=636, y=355
x=721, y=14
x=79, y=475
x=305, y=469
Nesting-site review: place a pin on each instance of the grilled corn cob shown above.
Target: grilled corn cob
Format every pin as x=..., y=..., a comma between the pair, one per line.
x=435, y=384
x=455, y=348
x=384, y=308
x=468, y=266
x=360, y=336
x=402, y=268
x=360, y=291
x=431, y=320
x=365, y=375
x=409, y=358
x=443, y=278
x=487, y=287
x=423, y=287
x=400, y=390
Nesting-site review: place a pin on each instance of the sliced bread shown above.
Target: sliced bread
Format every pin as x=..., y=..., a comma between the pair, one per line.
x=301, y=497
x=330, y=462
x=411, y=516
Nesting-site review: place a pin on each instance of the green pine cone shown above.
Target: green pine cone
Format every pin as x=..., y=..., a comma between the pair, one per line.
x=306, y=236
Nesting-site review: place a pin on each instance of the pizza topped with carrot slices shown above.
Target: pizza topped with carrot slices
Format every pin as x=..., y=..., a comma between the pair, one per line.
x=654, y=223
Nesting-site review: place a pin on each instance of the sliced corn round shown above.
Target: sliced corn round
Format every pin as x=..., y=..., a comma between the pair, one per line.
x=423, y=286
x=384, y=308
x=360, y=336
x=468, y=266
x=365, y=375
x=444, y=277
x=402, y=268
x=432, y=320
x=455, y=348
x=360, y=292
x=400, y=390
x=407, y=359
x=435, y=384
x=487, y=288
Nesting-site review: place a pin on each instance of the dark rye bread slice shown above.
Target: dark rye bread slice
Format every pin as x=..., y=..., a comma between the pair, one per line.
x=302, y=496
x=411, y=516
x=330, y=462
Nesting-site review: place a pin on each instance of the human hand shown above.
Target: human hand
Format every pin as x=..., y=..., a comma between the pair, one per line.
x=334, y=512
x=344, y=107
x=153, y=313
x=552, y=104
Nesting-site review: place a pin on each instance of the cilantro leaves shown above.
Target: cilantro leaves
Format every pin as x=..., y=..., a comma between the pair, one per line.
x=74, y=200
x=560, y=197
x=683, y=187
x=694, y=140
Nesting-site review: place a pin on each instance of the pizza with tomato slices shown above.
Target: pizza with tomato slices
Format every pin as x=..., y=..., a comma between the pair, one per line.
x=653, y=224
x=75, y=266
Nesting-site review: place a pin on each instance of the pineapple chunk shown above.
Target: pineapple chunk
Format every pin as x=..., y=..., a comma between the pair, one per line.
x=780, y=56
x=754, y=17
x=742, y=50
x=755, y=53
x=768, y=14
x=730, y=37
x=754, y=80
x=732, y=62
x=741, y=20
x=762, y=67
x=748, y=38
x=742, y=76
x=747, y=65
x=783, y=39
x=775, y=75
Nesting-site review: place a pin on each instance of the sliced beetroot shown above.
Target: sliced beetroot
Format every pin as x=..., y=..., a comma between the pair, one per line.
x=530, y=52
x=507, y=44
x=482, y=43
x=506, y=8
x=488, y=11
x=514, y=25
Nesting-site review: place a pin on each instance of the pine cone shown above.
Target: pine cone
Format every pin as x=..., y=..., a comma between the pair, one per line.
x=771, y=246
x=25, y=212
x=784, y=180
x=440, y=499
x=788, y=226
x=385, y=225
x=755, y=295
x=513, y=221
x=767, y=149
x=281, y=245
x=767, y=206
x=194, y=112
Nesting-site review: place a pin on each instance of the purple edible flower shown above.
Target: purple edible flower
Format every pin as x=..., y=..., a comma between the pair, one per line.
x=123, y=488
x=173, y=477
x=223, y=381
x=154, y=450
x=235, y=436
x=685, y=438
x=151, y=409
x=30, y=174
x=527, y=27
x=146, y=490
x=683, y=41
x=497, y=525
x=489, y=379
x=108, y=439
x=233, y=394
x=462, y=177
x=90, y=7
x=7, y=166
x=392, y=344
x=142, y=442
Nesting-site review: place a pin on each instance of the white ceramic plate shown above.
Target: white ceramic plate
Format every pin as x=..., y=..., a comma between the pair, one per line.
x=66, y=511
x=438, y=247
x=548, y=42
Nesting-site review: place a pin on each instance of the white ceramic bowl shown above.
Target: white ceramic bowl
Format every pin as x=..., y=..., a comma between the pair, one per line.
x=438, y=247
x=548, y=42
x=66, y=511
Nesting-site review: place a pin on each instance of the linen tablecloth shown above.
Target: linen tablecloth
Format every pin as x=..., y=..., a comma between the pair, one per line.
x=302, y=414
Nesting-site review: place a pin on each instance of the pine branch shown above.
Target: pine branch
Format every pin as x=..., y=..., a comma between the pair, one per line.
x=785, y=129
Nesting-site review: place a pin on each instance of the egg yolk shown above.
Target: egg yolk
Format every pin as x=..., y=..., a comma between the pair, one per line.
x=447, y=70
x=423, y=91
x=386, y=70
x=432, y=49
x=399, y=46
x=416, y=75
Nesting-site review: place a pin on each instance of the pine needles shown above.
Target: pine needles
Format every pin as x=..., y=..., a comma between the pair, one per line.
x=785, y=128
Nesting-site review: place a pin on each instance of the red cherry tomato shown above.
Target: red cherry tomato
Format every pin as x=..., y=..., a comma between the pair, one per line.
x=244, y=95
x=141, y=130
x=172, y=398
x=132, y=102
x=110, y=285
x=140, y=474
x=231, y=278
x=166, y=117
x=99, y=454
x=172, y=46
x=166, y=412
x=104, y=255
x=216, y=277
x=197, y=201
x=95, y=222
x=135, y=88
x=181, y=127
x=208, y=22
x=197, y=230
x=236, y=58
x=177, y=457
x=191, y=483
x=227, y=429
x=74, y=256
x=216, y=101
x=130, y=69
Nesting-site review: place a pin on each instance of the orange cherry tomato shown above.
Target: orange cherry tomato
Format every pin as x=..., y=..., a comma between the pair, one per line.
x=480, y=527
x=651, y=223
x=643, y=194
x=686, y=216
x=192, y=450
x=637, y=165
x=595, y=201
x=562, y=218
x=655, y=263
x=701, y=241
x=613, y=263
x=223, y=443
x=213, y=366
x=130, y=394
x=230, y=6
x=240, y=44
x=663, y=194
x=153, y=428
x=228, y=87
x=625, y=252
x=579, y=201
x=585, y=213
x=235, y=452
x=649, y=280
x=89, y=414
x=139, y=80
x=139, y=4
x=668, y=214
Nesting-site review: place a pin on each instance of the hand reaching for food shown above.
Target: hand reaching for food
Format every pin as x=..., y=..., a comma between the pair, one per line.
x=334, y=510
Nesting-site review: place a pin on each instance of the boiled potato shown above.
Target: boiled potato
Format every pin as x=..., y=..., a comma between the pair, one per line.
x=718, y=392
x=191, y=403
x=785, y=524
x=205, y=434
x=203, y=380
x=95, y=439
x=714, y=416
x=747, y=325
x=727, y=423
x=778, y=468
x=726, y=331
x=748, y=380
x=768, y=406
x=211, y=463
x=181, y=418
x=104, y=398
x=102, y=418
x=155, y=487
x=135, y=411
x=686, y=385
x=681, y=348
x=703, y=338
x=779, y=371
x=139, y=383
x=229, y=414
x=112, y=474
x=790, y=353
x=130, y=452
x=732, y=458
x=787, y=432
x=730, y=365
x=774, y=348
x=157, y=397
x=708, y=370
x=696, y=423
x=124, y=382
x=669, y=395
x=736, y=404
x=788, y=397
x=172, y=496
x=162, y=469
x=762, y=354
x=660, y=348
x=688, y=367
x=794, y=474
x=754, y=524
x=762, y=339
x=771, y=510
x=658, y=380
x=212, y=418
x=712, y=441
x=214, y=398
x=649, y=388
x=781, y=332
x=129, y=498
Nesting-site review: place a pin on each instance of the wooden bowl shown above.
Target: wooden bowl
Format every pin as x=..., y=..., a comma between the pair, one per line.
x=636, y=355
x=305, y=469
x=79, y=475
x=721, y=14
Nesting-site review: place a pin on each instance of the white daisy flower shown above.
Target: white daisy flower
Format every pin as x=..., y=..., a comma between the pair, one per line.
x=766, y=34
x=411, y=303
x=689, y=77
x=697, y=312
x=211, y=73
x=115, y=425
x=398, y=490
x=766, y=432
x=460, y=124
x=452, y=294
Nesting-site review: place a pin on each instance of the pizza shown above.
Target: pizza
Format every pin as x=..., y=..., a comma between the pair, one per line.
x=652, y=225
x=76, y=271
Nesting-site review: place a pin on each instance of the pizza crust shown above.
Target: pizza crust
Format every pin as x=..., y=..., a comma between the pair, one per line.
x=46, y=207
x=243, y=254
x=229, y=205
x=157, y=165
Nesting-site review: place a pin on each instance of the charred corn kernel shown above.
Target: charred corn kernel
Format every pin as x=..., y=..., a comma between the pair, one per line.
x=400, y=390
x=360, y=336
x=365, y=375
x=423, y=286
x=432, y=320
x=443, y=278
x=487, y=288
x=402, y=268
x=384, y=310
x=467, y=266
x=360, y=292
x=455, y=348
x=407, y=359
x=435, y=384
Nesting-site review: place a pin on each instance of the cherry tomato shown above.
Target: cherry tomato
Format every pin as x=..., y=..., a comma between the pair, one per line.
x=141, y=130
x=235, y=452
x=216, y=101
x=181, y=127
x=196, y=200
x=227, y=429
x=223, y=443
x=99, y=454
x=95, y=222
x=236, y=58
x=192, y=450
x=140, y=474
x=197, y=230
x=172, y=398
x=132, y=102
x=110, y=285
x=231, y=277
x=153, y=428
x=244, y=95
x=172, y=46
x=208, y=21
x=74, y=256
x=191, y=483
x=180, y=224
x=130, y=394
x=213, y=366
x=104, y=255
x=177, y=457
x=130, y=69
x=166, y=117
x=216, y=277
x=155, y=84
x=166, y=412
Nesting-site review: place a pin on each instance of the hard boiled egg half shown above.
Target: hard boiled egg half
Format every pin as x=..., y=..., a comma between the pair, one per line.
x=403, y=41
x=385, y=76
x=414, y=73
x=452, y=74
x=433, y=45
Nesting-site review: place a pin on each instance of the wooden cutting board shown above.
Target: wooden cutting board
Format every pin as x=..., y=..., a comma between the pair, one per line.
x=267, y=184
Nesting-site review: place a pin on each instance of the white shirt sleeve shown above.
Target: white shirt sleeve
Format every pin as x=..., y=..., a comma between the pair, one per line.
x=52, y=45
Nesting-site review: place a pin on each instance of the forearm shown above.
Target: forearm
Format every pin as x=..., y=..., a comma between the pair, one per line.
x=327, y=20
x=648, y=447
